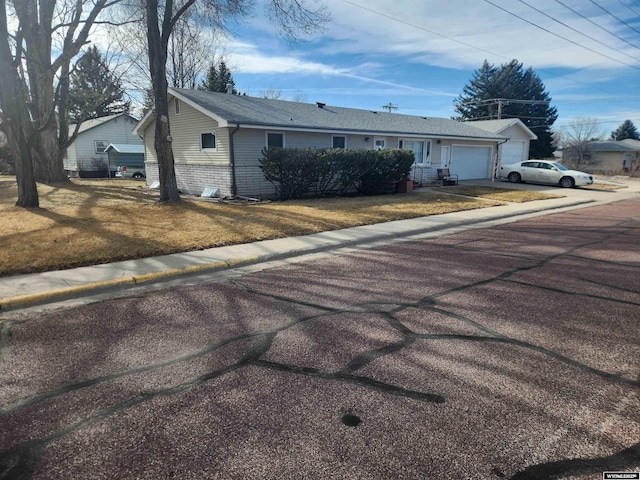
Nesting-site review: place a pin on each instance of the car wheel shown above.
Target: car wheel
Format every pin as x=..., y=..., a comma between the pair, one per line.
x=138, y=175
x=567, y=182
x=514, y=177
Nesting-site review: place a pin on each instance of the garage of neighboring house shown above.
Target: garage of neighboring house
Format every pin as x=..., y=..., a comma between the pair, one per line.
x=470, y=162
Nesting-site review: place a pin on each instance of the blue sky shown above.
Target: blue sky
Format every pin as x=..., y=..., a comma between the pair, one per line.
x=418, y=55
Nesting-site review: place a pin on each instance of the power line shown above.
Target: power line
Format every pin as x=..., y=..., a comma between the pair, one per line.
x=630, y=9
x=598, y=122
x=549, y=72
x=505, y=100
x=560, y=36
x=425, y=29
x=597, y=25
x=619, y=19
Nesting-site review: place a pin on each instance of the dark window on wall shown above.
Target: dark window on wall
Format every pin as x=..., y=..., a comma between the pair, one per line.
x=177, y=104
x=101, y=145
x=338, y=142
x=207, y=140
x=275, y=140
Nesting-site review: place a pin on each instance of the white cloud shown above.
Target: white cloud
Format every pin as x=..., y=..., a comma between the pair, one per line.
x=474, y=30
x=247, y=58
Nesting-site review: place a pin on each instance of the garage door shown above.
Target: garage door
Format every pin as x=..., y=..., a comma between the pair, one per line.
x=512, y=152
x=471, y=162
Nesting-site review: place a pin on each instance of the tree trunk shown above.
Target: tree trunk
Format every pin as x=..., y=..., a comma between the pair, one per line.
x=16, y=121
x=158, y=44
x=166, y=165
x=27, y=188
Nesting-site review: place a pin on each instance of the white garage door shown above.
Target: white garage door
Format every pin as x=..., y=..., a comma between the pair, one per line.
x=512, y=152
x=471, y=162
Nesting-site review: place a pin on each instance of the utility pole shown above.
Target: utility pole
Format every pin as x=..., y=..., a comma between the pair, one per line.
x=390, y=107
x=500, y=103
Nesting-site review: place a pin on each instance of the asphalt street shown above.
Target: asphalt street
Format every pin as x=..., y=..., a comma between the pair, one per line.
x=506, y=352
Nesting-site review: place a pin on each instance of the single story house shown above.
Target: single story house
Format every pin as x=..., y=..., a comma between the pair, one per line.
x=218, y=138
x=87, y=156
x=611, y=157
x=519, y=135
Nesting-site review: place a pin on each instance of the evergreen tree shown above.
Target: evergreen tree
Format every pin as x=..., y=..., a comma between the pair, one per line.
x=94, y=91
x=218, y=77
x=624, y=131
x=479, y=101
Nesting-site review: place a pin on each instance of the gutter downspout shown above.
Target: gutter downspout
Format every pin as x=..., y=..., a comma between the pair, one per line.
x=232, y=162
x=495, y=168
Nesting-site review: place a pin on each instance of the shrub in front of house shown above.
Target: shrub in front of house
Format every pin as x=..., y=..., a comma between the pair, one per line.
x=388, y=168
x=299, y=172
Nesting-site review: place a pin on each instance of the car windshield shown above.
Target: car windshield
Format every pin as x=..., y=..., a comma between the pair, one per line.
x=560, y=167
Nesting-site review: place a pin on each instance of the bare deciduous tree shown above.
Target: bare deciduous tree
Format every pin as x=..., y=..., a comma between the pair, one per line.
x=271, y=93
x=575, y=137
x=38, y=40
x=299, y=96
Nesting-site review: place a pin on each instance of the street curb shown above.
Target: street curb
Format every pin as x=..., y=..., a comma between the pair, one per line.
x=67, y=293
x=58, y=294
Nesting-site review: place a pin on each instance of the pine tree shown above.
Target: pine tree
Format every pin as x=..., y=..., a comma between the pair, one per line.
x=218, y=77
x=95, y=91
x=479, y=101
x=624, y=131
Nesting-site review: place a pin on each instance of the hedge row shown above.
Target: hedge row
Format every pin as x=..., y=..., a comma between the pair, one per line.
x=298, y=172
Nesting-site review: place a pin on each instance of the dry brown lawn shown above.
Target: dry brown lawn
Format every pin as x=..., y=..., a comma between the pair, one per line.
x=87, y=222
x=499, y=193
x=605, y=186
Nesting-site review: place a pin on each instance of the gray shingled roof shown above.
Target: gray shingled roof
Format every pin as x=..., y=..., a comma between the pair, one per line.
x=615, y=146
x=94, y=122
x=497, y=126
x=279, y=113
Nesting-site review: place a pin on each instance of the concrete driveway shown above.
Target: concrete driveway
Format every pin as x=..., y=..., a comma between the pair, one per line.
x=508, y=352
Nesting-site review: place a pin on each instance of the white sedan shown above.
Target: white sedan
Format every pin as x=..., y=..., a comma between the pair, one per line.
x=544, y=171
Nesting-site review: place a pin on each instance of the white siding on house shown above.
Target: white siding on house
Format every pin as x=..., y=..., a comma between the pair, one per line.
x=83, y=151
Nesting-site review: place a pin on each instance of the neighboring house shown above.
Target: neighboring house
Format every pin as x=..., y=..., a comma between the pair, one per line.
x=86, y=156
x=218, y=139
x=519, y=135
x=611, y=157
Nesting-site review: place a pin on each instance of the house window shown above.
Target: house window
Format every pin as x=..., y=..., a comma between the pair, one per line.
x=208, y=140
x=101, y=146
x=421, y=149
x=379, y=143
x=338, y=141
x=275, y=140
x=176, y=102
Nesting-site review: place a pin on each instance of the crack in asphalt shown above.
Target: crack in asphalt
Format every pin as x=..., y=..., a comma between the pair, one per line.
x=21, y=460
x=356, y=379
x=580, y=294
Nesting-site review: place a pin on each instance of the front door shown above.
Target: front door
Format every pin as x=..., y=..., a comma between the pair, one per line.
x=444, y=156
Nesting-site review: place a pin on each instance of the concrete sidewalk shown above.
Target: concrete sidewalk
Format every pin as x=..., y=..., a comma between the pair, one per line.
x=22, y=291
